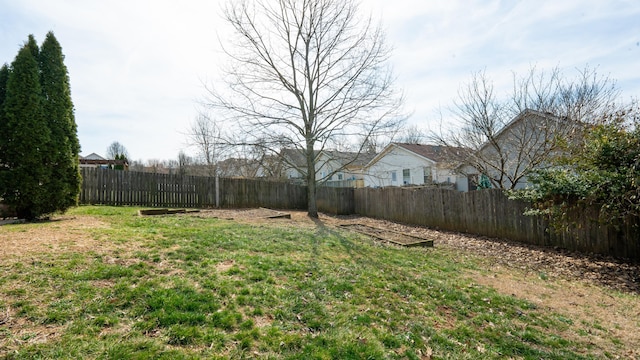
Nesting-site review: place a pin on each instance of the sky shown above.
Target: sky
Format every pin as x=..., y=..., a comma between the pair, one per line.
x=138, y=67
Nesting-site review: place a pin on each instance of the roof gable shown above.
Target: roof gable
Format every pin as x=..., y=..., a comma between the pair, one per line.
x=435, y=153
x=432, y=153
x=94, y=156
x=520, y=119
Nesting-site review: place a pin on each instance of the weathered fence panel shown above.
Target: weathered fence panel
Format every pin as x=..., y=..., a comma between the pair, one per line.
x=335, y=200
x=491, y=213
x=243, y=193
x=114, y=187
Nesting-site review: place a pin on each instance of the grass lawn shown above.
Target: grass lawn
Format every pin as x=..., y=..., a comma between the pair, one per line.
x=104, y=283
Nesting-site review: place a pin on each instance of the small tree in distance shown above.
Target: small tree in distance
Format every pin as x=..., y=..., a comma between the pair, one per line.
x=205, y=135
x=115, y=151
x=302, y=75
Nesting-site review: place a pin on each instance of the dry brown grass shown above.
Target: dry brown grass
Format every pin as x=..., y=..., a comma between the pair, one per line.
x=60, y=234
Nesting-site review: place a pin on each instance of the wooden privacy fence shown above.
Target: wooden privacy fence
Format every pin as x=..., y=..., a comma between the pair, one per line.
x=483, y=212
x=491, y=213
x=116, y=187
x=243, y=193
x=113, y=187
x=336, y=200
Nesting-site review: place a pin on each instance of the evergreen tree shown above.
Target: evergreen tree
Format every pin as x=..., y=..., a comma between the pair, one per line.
x=4, y=76
x=64, y=184
x=22, y=182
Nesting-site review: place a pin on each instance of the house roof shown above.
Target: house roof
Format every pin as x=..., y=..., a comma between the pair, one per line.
x=93, y=156
x=354, y=159
x=294, y=156
x=435, y=153
x=524, y=114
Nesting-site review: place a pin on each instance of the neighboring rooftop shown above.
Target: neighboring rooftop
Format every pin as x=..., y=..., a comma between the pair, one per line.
x=92, y=156
x=437, y=153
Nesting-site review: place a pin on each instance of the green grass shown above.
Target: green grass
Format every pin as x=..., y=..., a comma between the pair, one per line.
x=180, y=287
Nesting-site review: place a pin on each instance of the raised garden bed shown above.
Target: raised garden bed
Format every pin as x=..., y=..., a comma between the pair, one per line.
x=392, y=236
x=166, y=211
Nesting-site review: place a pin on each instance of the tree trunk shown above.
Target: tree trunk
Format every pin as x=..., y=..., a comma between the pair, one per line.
x=312, y=207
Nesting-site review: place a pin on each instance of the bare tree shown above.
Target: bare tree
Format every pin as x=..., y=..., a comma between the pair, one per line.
x=205, y=135
x=303, y=73
x=184, y=163
x=412, y=135
x=116, y=150
x=509, y=138
x=136, y=165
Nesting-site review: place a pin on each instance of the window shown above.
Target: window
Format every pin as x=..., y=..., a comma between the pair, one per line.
x=394, y=177
x=427, y=175
x=339, y=176
x=406, y=176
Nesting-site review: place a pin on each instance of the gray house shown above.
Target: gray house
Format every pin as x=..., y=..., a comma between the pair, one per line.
x=528, y=142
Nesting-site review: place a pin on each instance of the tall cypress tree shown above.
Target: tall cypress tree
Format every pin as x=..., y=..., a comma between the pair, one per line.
x=4, y=76
x=22, y=183
x=64, y=147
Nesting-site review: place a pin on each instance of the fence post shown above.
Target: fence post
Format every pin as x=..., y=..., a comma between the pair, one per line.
x=217, y=191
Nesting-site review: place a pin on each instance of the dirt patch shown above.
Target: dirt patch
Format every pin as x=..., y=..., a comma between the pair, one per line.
x=262, y=321
x=549, y=262
x=60, y=234
x=590, y=310
x=22, y=331
x=225, y=265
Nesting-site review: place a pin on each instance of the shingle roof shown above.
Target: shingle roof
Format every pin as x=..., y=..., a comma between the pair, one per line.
x=294, y=156
x=436, y=153
x=352, y=158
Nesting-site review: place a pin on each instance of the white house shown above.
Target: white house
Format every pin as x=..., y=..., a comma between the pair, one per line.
x=94, y=160
x=401, y=164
